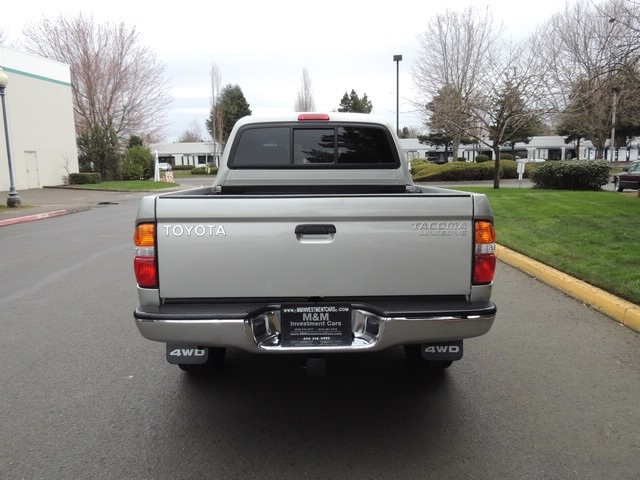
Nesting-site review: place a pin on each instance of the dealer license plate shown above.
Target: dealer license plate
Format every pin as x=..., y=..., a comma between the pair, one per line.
x=315, y=324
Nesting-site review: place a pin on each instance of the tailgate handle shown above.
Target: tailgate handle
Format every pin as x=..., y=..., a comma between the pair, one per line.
x=315, y=229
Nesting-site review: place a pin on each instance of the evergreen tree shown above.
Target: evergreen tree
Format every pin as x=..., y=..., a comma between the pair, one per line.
x=233, y=106
x=353, y=103
x=99, y=151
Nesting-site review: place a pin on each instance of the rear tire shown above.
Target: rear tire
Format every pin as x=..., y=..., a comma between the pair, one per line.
x=414, y=357
x=214, y=363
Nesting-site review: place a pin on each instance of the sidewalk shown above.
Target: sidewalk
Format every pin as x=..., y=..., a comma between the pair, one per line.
x=41, y=203
x=44, y=203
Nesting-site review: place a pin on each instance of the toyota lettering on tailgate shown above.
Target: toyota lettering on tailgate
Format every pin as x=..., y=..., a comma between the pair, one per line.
x=194, y=230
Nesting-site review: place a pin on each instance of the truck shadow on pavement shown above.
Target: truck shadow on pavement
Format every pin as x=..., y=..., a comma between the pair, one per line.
x=366, y=405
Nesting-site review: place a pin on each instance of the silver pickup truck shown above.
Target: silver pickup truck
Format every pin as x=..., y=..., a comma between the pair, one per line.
x=314, y=240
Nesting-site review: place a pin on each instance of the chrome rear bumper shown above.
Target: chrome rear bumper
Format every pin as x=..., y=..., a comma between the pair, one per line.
x=261, y=333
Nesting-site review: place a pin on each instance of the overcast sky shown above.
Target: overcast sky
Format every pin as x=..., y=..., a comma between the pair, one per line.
x=263, y=46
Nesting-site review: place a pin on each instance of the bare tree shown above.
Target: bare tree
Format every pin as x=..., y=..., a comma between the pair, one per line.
x=474, y=85
x=116, y=82
x=455, y=50
x=215, y=122
x=304, y=99
x=192, y=133
x=594, y=52
x=511, y=100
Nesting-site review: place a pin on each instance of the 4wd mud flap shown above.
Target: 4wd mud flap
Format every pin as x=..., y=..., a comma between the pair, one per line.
x=186, y=354
x=442, y=350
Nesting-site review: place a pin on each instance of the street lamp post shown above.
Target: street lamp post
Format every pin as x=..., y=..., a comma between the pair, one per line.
x=13, y=200
x=613, y=126
x=397, y=59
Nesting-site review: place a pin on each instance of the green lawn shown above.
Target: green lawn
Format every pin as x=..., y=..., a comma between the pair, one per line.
x=594, y=236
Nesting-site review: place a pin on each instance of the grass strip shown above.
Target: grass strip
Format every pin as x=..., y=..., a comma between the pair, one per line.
x=593, y=236
x=133, y=185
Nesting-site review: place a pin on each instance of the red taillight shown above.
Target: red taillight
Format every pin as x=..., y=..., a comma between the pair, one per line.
x=144, y=265
x=313, y=116
x=146, y=272
x=484, y=268
x=484, y=259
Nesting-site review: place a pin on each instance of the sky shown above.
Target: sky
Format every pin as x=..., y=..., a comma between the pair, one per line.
x=264, y=46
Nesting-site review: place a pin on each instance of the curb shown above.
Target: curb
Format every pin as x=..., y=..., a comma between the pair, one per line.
x=622, y=311
x=40, y=216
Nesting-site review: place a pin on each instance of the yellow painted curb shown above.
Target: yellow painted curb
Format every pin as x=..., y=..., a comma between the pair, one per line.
x=620, y=310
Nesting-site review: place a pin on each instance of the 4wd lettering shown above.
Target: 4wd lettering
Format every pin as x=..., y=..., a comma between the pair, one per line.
x=442, y=349
x=441, y=229
x=194, y=230
x=187, y=352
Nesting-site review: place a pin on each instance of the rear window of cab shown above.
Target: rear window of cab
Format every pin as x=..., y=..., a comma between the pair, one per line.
x=322, y=146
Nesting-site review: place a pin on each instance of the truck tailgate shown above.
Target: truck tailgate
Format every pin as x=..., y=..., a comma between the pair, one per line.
x=235, y=246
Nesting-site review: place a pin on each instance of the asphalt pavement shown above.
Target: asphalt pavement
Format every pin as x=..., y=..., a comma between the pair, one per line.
x=48, y=202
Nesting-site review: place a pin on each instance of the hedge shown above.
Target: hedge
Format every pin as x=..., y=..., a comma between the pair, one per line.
x=84, y=178
x=572, y=175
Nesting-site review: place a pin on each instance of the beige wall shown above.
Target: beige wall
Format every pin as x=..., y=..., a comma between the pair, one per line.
x=40, y=119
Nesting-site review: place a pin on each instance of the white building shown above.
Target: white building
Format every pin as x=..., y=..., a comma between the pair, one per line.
x=187, y=153
x=40, y=121
x=547, y=147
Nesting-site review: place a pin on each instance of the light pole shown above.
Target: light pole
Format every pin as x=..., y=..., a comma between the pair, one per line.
x=397, y=59
x=13, y=200
x=613, y=125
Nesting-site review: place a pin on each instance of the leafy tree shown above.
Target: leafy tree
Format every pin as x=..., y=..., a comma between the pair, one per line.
x=353, y=103
x=233, y=106
x=99, y=151
x=135, y=141
x=117, y=84
x=408, y=132
x=439, y=139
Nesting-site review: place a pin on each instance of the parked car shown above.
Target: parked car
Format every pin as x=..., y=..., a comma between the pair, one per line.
x=532, y=160
x=628, y=178
x=164, y=167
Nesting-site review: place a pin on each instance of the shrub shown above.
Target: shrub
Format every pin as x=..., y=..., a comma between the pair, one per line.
x=84, y=178
x=131, y=170
x=138, y=163
x=506, y=156
x=184, y=167
x=572, y=175
x=213, y=170
x=481, y=157
x=417, y=163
